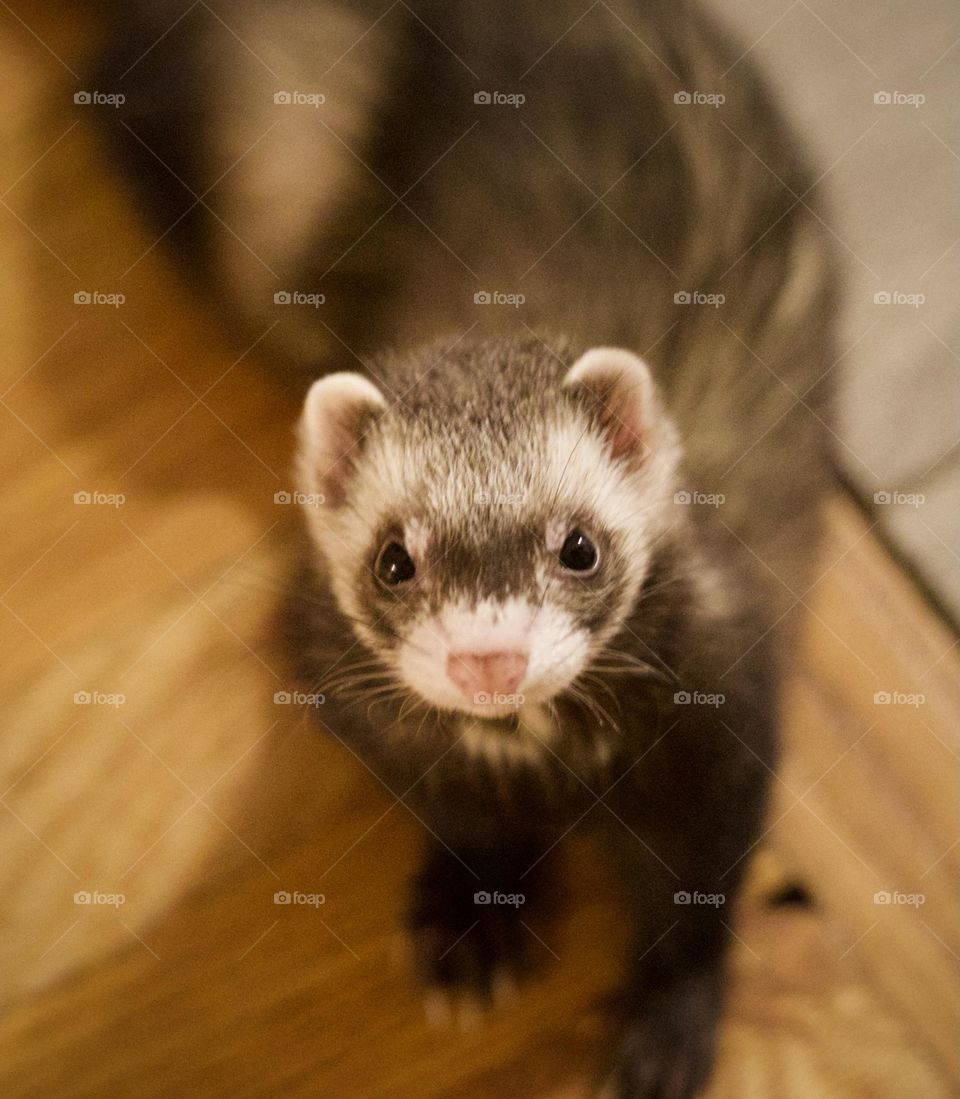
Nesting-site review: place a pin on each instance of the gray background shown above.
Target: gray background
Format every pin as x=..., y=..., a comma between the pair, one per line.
x=892, y=182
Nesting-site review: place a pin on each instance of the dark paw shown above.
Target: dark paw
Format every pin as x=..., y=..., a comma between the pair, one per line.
x=667, y=1052
x=468, y=937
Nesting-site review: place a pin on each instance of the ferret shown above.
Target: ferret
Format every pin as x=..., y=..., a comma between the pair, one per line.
x=564, y=441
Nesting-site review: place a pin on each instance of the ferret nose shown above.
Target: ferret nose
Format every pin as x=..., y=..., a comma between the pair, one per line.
x=487, y=673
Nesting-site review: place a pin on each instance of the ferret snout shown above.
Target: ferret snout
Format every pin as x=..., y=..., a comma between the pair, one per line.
x=492, y=658
x=498, y=673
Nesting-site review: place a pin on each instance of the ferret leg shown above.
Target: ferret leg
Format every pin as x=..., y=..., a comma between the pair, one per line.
x=465, y=917
x=699, y=826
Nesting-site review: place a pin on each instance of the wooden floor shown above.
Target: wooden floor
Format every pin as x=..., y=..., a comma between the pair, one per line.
x=182, y=785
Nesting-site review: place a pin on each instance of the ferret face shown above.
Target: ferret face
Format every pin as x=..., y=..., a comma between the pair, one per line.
x=486, y=542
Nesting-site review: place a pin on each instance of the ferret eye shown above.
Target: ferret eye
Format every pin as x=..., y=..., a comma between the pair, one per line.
x=394, y=565
x=578, y=553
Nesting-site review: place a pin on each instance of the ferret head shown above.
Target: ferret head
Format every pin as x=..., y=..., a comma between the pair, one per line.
x=487, y=521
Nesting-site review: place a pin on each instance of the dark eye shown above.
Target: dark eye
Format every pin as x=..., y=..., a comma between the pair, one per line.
x=394, y=565
x=578, y=553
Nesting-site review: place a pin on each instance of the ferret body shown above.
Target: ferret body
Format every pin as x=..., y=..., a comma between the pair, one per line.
x=556, y=530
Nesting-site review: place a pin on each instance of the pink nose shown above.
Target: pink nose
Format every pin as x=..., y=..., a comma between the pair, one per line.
x=486, y=673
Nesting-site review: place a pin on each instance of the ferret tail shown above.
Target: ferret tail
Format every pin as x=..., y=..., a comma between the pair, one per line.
x=242, y=128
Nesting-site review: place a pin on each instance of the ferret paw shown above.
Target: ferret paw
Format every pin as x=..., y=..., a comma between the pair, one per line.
x=667, y=1053
x=468, y=959
x=658, y=1066
x=453, y=1007
x=466, y=927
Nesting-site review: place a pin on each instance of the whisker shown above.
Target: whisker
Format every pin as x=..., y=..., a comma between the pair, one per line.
x=588, y=678
x=590, y=704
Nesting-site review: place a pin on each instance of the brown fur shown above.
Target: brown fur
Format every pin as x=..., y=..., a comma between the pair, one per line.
x=598, y=200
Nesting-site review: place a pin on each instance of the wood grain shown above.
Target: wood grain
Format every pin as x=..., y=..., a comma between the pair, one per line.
x=198, y=797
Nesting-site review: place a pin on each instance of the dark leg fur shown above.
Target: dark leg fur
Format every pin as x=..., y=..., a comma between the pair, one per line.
x=462, y=940
x=700, y=815
x=674, y=997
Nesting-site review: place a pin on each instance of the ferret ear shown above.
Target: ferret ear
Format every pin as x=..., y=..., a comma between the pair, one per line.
x=338, y=411
x=619, y=388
